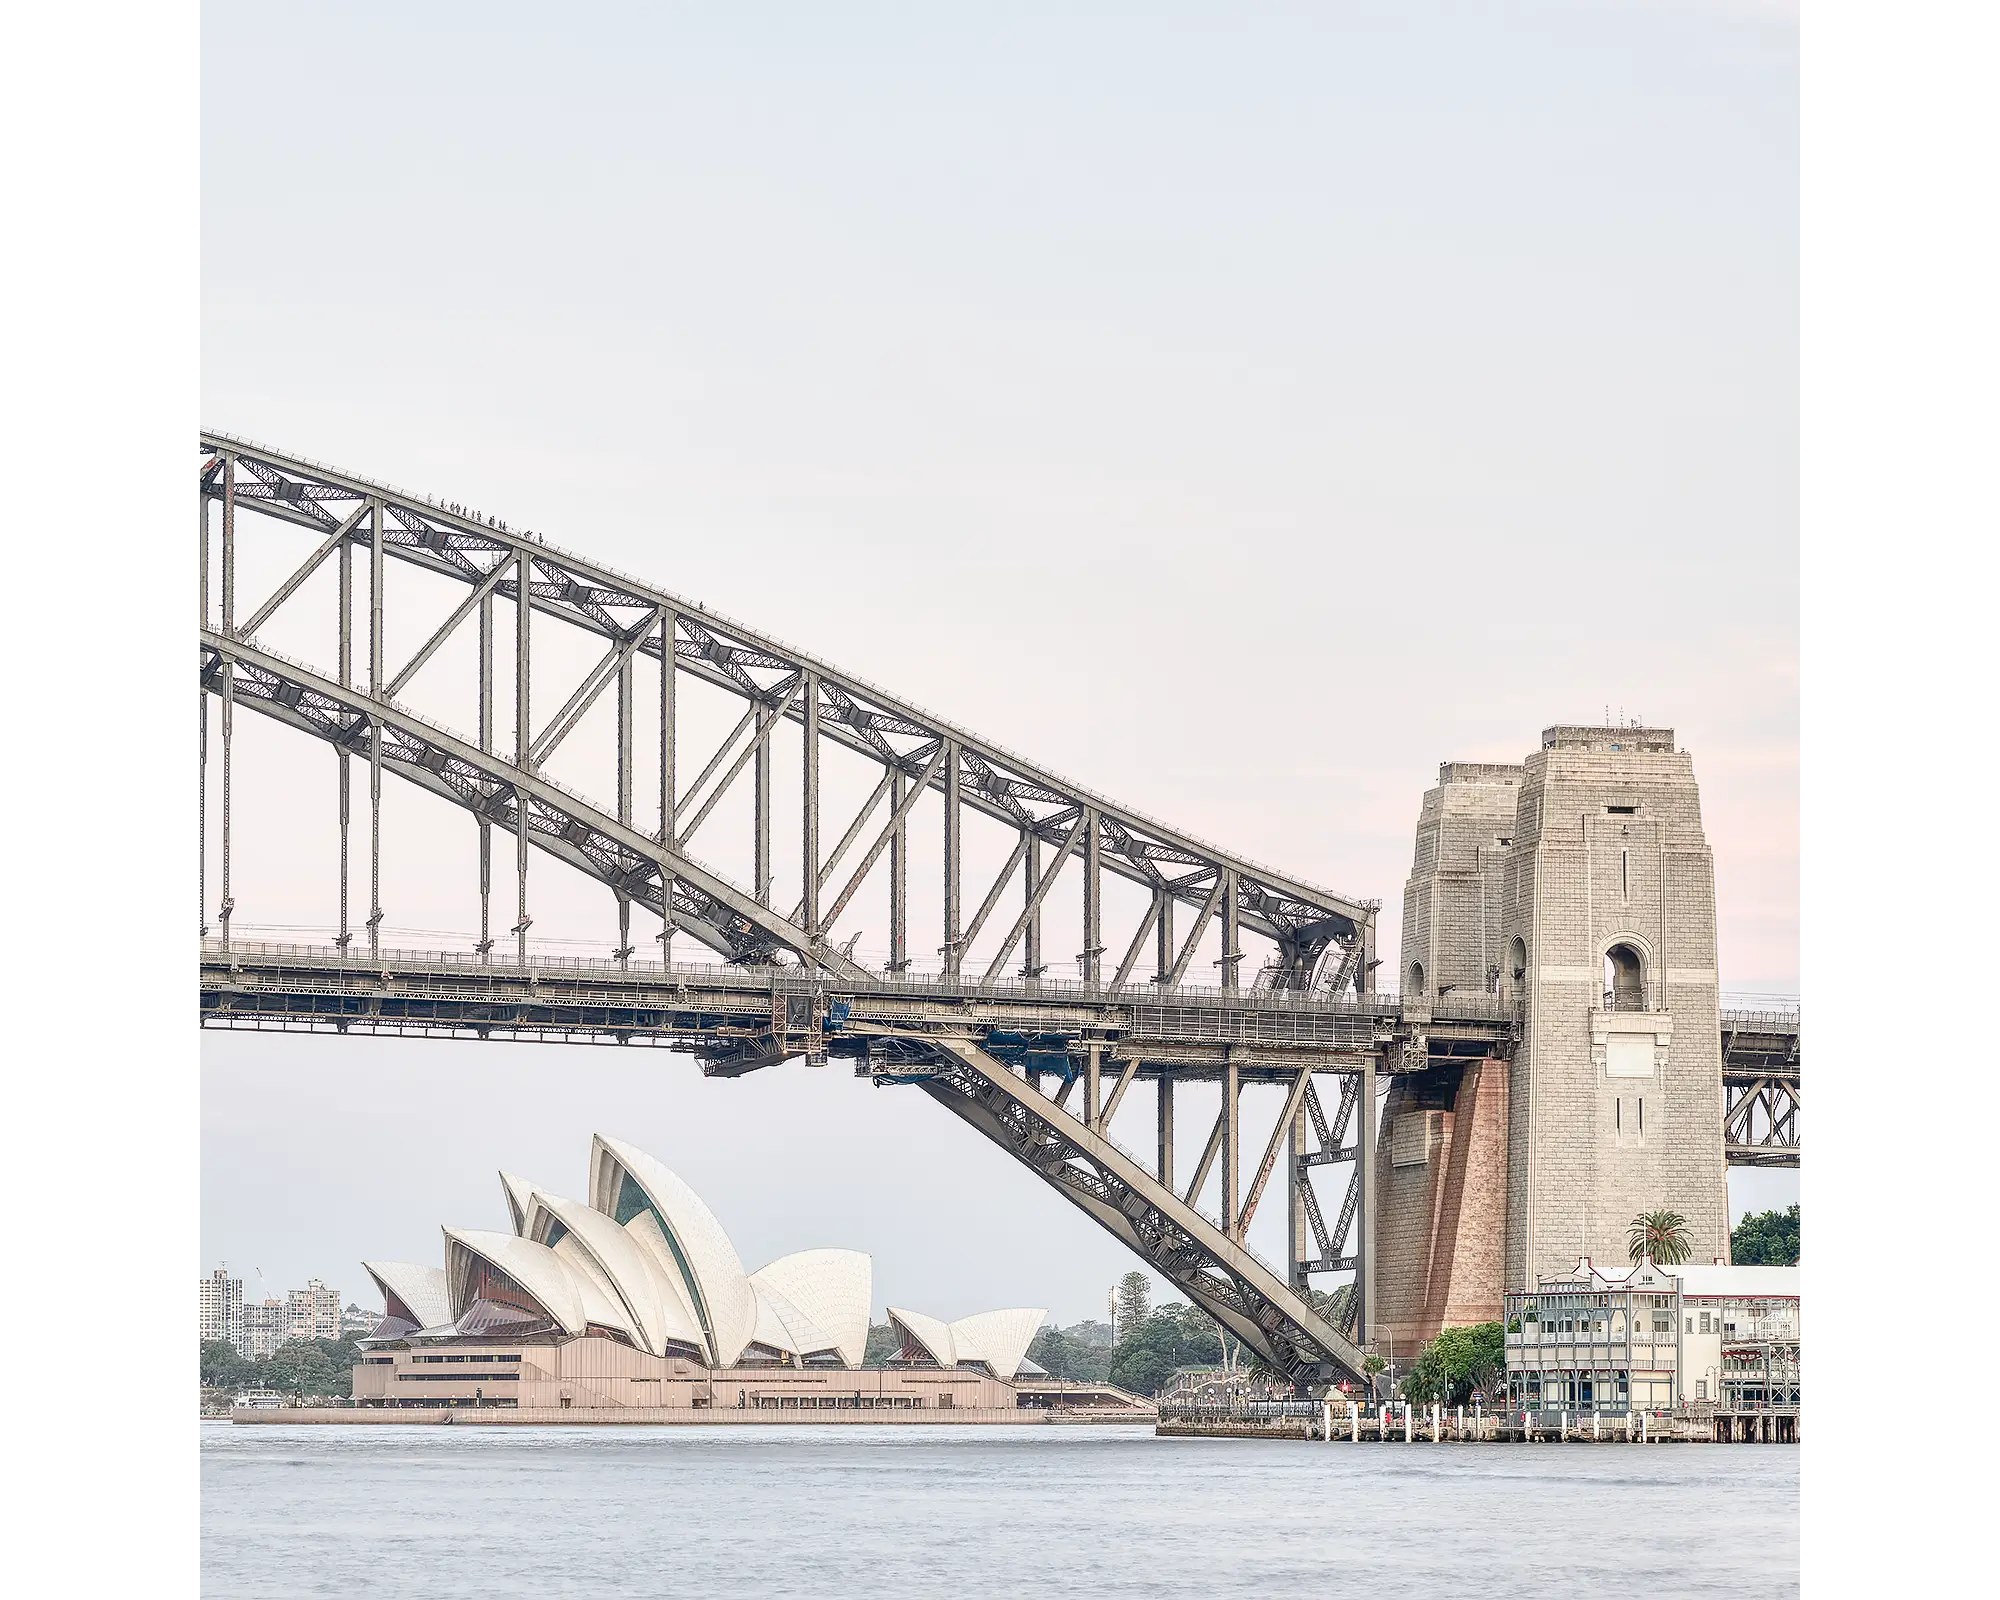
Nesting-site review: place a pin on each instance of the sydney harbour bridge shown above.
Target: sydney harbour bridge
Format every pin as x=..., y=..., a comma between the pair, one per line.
x=1193, y=965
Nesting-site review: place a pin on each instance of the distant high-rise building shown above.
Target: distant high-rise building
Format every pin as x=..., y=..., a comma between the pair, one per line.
x=264, y=1329
x=221, y=1307
x=312, y=1312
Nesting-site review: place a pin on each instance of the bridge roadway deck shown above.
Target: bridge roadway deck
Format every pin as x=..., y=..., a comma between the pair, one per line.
x=751, y=1012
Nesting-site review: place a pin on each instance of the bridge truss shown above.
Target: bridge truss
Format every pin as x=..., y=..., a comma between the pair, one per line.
x=1037, y=1063
x=1066, y=850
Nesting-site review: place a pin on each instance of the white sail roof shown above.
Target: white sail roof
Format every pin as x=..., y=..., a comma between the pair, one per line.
x=416, y=1294
x=626, y=1184
x=535, y=1268
x=783, y=1326
x=657, y=1315
x=834, y=1288
x=603, y=1305
x=998, y=1338
x=927, y=1333
x=519, y=1193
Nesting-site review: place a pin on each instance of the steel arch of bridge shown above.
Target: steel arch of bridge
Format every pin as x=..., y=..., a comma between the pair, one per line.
x=1008, y=1051
x=1319, y=966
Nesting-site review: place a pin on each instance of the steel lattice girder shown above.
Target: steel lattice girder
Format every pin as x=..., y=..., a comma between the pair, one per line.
x=561, y=823
x=1760, y=1120
x=1215, y=1272
x=1301, y=918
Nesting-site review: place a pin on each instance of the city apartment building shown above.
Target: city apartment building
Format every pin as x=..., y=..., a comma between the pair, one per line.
x=257, y=1329
x=264, y=1327
x=312, y=1312
x=222, y=1307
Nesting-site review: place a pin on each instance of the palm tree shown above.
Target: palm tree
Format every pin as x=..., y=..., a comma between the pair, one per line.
x=1663, y=1235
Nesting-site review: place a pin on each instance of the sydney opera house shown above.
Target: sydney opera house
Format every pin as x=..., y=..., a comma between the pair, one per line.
x=638, y=1300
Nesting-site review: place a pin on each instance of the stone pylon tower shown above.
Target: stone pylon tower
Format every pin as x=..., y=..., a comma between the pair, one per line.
x=1616, y=1097
x=1441, y=1173
x=1578, y=889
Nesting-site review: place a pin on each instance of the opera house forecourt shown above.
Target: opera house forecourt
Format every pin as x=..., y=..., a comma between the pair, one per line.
x=638, y=1304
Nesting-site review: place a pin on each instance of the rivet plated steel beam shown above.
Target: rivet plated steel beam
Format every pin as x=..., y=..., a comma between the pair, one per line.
x=346, y=670
x=1232, y=1145
x=719, y=651
x=1285, y=1126
x=375, y=688
x=666, y=836
x=954, y=845
x=1364, y=1246
x=524, y=756
x=228, y=903
x=899, y=872
x=486, y=729
x=1214, y=1270
x=506, y=782
x=809, y=835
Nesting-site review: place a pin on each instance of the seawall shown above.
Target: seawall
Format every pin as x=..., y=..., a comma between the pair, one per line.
x=605, y=1416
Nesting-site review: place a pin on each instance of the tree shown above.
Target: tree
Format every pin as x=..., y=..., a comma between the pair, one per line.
x=1135, y=1302
x=1171, y=1338
x=223, y=1366
x=1766, y=1239
x=1198, y=1341
x=1455, y=1363
x=883, y=1343
x=1663, y=1235
x=1090, y=1332
x=1142, y=1371
x=1055, y=1353
x=300, y=1367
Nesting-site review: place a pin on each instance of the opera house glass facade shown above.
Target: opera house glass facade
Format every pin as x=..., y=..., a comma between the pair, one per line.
x=638, y=1299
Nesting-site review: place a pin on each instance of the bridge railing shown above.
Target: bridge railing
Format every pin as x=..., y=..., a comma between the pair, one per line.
x=1741, y=1020
x=792, y=980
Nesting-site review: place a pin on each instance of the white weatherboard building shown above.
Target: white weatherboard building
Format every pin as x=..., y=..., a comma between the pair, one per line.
x=1652, y=1338
x=638, y=1298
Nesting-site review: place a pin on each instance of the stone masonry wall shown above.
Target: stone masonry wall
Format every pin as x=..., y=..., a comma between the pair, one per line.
x=1608, y=849
x=1441, y=1222
x=1453, y=900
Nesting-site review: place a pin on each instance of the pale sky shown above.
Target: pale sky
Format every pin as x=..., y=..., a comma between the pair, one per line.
x=1240, y=410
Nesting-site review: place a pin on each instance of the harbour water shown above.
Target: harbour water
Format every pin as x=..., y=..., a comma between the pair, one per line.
x=893, y=1512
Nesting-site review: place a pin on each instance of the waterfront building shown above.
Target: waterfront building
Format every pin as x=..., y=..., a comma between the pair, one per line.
x=638, y=1299
x=221, y=1307
x=1740, y=1336
x=1653, y=1338
x=312, y=1312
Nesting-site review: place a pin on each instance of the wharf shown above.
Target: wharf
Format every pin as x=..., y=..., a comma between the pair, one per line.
x=1305, y=1420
